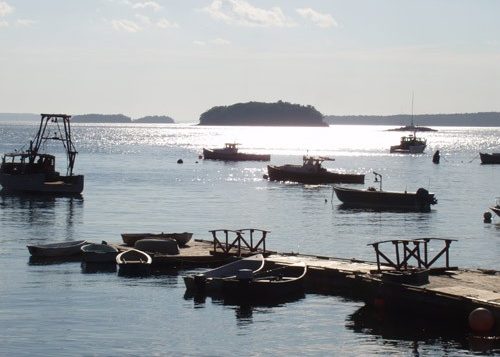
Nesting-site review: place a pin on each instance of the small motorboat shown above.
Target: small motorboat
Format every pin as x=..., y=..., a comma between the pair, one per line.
x=267, y=285
x=311, y=172
x=419, y=201
x=496, y=208
x=410, y=144
x=133, y=262
x=181, y=238
x=210, y=280
x=490, y=159
x=230, y=153
x=62, y=249
x=99, y=253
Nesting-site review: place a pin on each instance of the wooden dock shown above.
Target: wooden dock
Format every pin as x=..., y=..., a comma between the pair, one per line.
x=448, y=290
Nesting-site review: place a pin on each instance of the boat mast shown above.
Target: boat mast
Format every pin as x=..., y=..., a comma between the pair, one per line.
x=65, y=138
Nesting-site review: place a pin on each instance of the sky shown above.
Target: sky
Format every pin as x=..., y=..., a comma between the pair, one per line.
x=182, y=57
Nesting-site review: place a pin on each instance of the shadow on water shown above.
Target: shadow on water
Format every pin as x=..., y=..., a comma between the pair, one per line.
x=421, y=329
x=33, y=260
x=95, y=268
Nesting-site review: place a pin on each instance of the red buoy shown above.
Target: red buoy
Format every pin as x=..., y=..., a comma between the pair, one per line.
x=481, y=320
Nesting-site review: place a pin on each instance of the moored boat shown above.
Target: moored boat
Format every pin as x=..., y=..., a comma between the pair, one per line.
x=419, y=201
x=99, y=253
x=35, y=172
x=230, y=153
x=133, y=262
x=211, y=280
x=181, y=238
x=311, y=172
x=490, y=159
x=266, y=285
x=496, y=208
x=410, y=144
x=62, y=249
x=157, y=246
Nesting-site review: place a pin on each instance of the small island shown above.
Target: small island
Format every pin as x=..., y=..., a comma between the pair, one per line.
x=120, y=118
x=263, y=114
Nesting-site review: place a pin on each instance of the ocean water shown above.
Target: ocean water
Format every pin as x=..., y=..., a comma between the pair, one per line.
x=133, y=184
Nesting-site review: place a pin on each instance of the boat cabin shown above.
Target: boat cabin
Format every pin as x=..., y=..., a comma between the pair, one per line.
x=28, y=163
x=411, y=140
x=231, y=147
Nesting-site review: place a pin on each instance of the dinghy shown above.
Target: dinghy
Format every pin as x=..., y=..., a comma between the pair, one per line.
x=99, y=253
x=133, y=262
x=62, y=249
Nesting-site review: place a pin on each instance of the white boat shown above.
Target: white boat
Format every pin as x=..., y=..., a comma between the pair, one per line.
x=133, y=262
x=62, y=249
x=99, y=253
x=211, y=280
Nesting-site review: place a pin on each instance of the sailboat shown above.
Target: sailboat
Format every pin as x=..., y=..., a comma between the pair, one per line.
x=410, y=144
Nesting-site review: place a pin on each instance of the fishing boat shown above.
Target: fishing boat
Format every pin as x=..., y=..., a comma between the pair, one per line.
x=54, y=250
x=266, y=285
x=181, y=238
x=32, y=171
x=230, y=153
x=211, y=280
x=410, y=144
x=133, y=262
x=419, y=201
x=311, y=172
x=99, y=253
x=489, y=159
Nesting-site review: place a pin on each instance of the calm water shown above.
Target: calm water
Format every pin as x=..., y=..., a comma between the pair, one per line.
x=133, y=183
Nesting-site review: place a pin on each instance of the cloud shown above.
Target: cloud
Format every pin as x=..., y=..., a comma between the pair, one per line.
x=319, y=19
x=242, y=13
x=165, y=24
x=216, y=42
x=125, y=25
x=4, y=23
x=25, y=22
x=147, y=5
x=5, y=9
x=220, y=42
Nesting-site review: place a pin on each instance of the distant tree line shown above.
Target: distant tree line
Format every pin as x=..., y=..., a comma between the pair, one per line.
x=263, y=114
x=458, y=119
x=120, y=118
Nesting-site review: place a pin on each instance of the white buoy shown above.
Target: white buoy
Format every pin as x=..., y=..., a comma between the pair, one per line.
x=481, y=320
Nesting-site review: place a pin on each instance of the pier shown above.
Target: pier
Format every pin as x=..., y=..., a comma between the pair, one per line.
x=386, y=282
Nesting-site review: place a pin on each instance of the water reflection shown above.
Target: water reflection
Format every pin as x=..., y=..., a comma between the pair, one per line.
x=420, y=329
x=94, y=268
x=39, y=260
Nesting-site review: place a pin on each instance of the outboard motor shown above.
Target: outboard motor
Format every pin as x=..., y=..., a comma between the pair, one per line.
x=424, y=200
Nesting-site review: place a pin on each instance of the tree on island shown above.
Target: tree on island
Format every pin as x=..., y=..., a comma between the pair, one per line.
x=263, y=114
x=101, y=118
x=155, y=119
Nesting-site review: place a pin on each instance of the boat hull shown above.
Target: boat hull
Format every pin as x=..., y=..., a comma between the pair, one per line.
x=288, y=282
x=496, y=210
x=280, y=173
x=413, y=149
x=37, y=183
x=181, y=238
x=419, y=201
x=490, y=159
x=238, y=156
x=63, y=249
x=99, y=253
x=133, y=262
x=211, y=280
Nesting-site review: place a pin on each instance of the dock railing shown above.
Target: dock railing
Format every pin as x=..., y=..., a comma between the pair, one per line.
x=406, y=249
x=238, y=241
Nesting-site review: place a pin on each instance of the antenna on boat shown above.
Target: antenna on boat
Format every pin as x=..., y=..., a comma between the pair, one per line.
x=412, y=95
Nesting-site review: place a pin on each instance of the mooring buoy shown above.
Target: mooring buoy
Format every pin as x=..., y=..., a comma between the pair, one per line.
x=481, y=320
x=487, y=217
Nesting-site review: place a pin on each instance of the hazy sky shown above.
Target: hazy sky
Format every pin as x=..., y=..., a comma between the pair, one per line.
x=181, y=57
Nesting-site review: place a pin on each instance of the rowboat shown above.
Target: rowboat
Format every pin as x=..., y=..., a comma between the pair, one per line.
x=62, y=249
x=266, y=285
x=181, y=238
x=230, y=153
x=311, y=172
x=161, y=246
x=493, y=158
x=99, y=253
x=133, y=262
x=210, y=280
